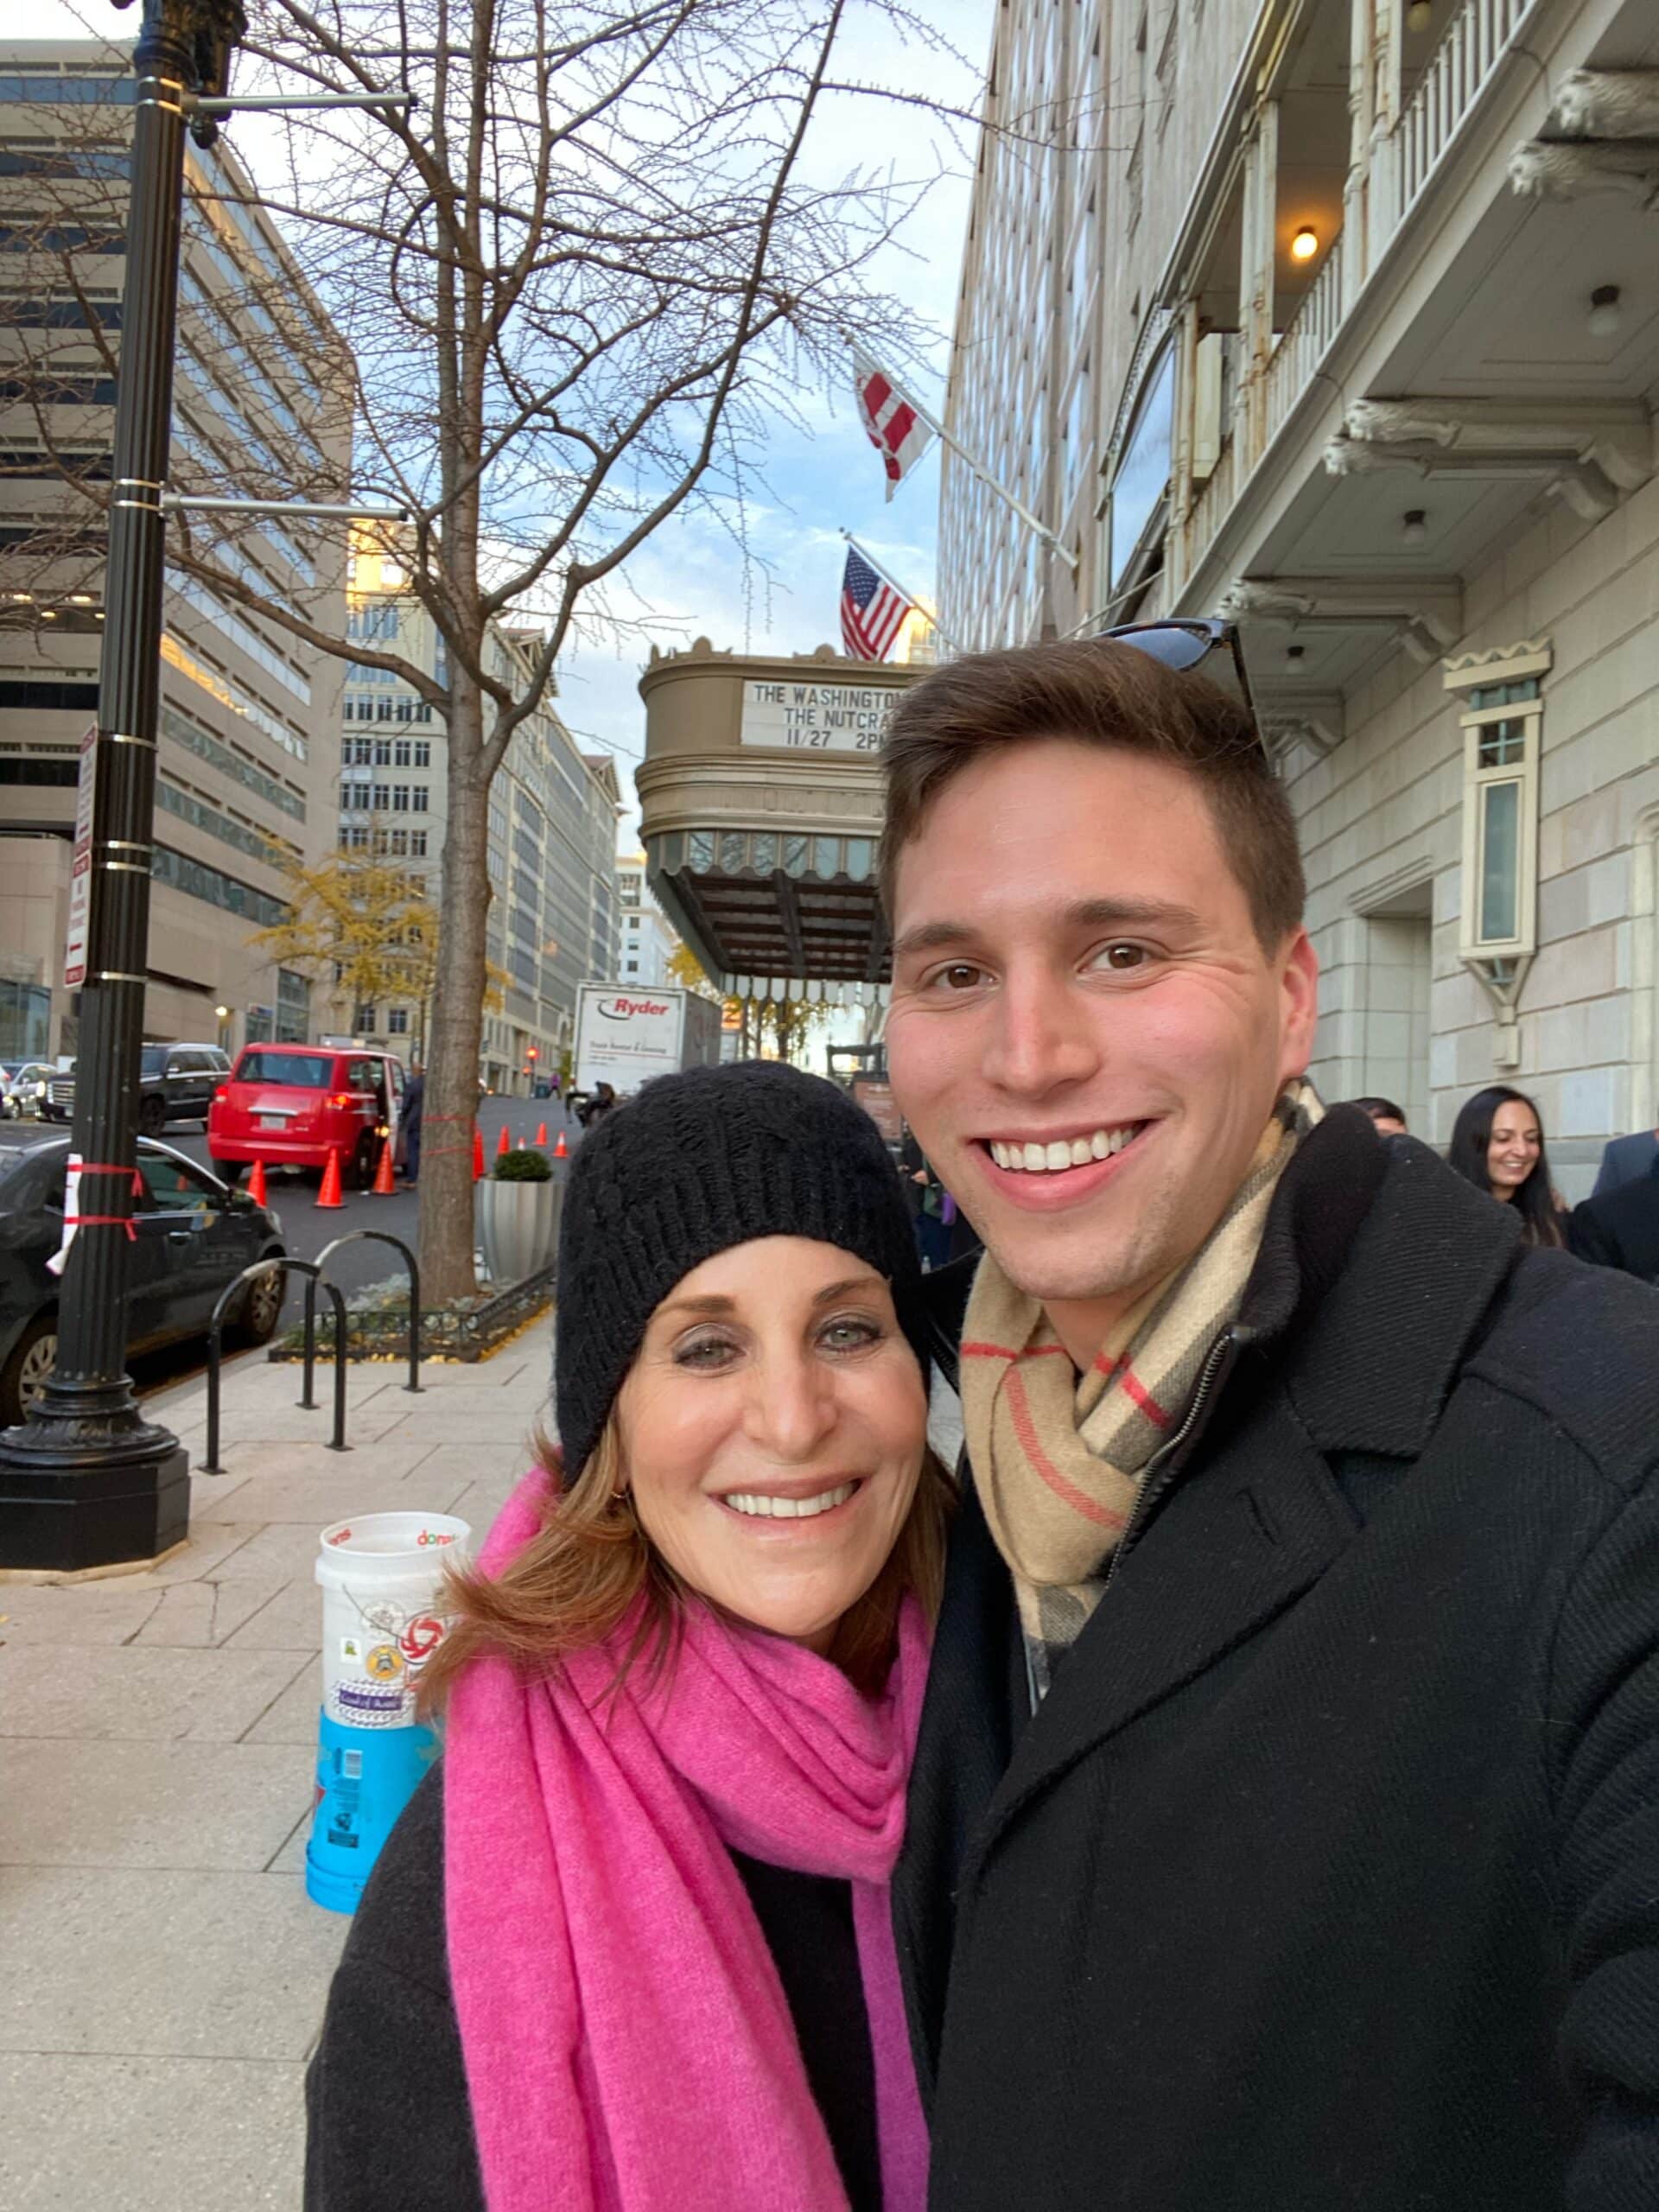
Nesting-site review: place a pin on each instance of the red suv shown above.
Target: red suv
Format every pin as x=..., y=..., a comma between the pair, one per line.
x=291, y=1105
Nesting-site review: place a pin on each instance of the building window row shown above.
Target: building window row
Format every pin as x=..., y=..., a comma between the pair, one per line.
x=360, y=837
x=208, y=819
x=386, y=753
x=184, y=733
x=404, y=708
x=178, y=872
x=380, y=798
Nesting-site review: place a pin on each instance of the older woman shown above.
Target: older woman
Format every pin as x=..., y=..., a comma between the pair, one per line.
x=630, y=1947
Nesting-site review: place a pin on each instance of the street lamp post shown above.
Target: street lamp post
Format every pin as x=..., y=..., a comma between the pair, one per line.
x=85, y=1481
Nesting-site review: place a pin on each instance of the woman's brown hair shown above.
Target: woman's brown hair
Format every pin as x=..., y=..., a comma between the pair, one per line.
x=573, y=1582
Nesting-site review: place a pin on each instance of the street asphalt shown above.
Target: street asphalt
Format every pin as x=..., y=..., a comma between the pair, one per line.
x=307, y=1227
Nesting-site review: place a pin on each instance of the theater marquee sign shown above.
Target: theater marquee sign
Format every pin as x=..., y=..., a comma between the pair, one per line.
x=815, y=717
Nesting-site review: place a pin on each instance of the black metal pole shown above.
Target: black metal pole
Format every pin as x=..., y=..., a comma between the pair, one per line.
x=85, y=1481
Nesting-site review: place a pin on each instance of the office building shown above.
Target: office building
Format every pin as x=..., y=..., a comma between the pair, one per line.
x=1343, y=320
x=244, y=765
x=552, y=830
x=648, y=940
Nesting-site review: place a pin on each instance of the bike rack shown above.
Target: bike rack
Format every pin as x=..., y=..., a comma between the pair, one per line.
x=354, y=1236
x=312, y=1271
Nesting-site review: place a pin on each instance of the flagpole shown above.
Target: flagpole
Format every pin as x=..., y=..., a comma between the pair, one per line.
x=903, y=590
x=975, y=468
x=991, y=484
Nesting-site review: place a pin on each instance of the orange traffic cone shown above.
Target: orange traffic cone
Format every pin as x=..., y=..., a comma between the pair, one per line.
x=561, y=1151
x=504, y=1143
x=383, y=1186
x=541, y=1132
x=478, y=1154
x=329, y=1194
x=256, y=1184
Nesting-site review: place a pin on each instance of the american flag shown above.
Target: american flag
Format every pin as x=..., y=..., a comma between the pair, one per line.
x=871, y=610
x=894, y=428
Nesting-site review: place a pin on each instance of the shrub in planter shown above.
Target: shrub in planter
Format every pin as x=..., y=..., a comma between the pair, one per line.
x=525, y=1165
x=517, y=1215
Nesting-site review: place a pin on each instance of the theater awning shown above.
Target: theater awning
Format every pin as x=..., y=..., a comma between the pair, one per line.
x=760, y=798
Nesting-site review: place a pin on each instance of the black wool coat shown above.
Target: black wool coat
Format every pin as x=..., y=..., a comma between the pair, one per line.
x=1621, y=1228
x=1327, y=1877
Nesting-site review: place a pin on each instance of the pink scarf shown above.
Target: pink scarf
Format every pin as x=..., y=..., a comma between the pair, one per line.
x=628, y=2045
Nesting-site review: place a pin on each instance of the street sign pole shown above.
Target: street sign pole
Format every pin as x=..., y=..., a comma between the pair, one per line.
x=85, y=1481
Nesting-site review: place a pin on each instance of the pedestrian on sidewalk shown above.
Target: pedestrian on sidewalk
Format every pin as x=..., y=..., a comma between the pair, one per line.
x=928, y=1200
x=1498, y=1144
x=413, y=1108
x=1284, y=1823
x=631, y=1943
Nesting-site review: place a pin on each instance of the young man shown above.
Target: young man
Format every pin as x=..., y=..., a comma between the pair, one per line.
x=1284, y=1825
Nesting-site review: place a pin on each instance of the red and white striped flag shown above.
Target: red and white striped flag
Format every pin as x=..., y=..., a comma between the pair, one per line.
x=894, y=428
x=871, y=610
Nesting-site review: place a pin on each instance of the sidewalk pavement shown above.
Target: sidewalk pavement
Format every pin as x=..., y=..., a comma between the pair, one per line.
x=162, y=1973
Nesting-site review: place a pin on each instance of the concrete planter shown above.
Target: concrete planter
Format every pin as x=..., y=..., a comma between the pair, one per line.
x=516, y=1225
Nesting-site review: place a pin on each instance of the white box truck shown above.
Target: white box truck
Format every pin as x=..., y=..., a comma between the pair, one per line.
x=625, y=1035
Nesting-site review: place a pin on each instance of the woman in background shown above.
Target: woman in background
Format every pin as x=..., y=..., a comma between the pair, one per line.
x=1498, y=1144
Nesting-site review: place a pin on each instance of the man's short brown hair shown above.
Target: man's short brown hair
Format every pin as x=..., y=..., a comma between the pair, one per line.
x=1098, y=692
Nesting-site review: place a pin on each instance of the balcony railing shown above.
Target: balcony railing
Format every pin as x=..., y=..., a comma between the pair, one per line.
x=1474, y=43
x=1303, y=346
x=1465, y=58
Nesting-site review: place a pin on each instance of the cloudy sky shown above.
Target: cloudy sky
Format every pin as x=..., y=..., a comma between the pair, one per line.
x=690, y=580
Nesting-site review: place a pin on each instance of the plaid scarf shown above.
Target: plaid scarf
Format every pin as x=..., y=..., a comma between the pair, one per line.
x=1058, y=1458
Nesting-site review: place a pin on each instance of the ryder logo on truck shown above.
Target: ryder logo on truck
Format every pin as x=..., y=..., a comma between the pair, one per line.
x=625, y=1009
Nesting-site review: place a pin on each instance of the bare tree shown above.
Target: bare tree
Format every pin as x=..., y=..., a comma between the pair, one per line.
x=576, y=282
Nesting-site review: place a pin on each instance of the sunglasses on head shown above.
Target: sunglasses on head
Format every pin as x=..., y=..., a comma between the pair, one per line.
x=1205, y=644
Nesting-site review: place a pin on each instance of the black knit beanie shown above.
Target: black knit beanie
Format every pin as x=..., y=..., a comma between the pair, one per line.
x=697, y=1163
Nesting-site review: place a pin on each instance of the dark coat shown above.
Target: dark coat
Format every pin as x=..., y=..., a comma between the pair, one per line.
x=1327, y=1877
x=389, y=2127
x=1621, y=1228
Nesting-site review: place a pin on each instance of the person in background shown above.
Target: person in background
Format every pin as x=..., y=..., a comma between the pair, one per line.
x=1623, y=1158
x=599, y=1105
x=631, y=1943
x=930, y=1198
x=1498, y=1144
x=1619, y=1227
x=1389, y=1120
x=414, y=1105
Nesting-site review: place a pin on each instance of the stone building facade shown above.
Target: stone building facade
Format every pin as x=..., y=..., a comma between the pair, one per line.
x=1341, y=320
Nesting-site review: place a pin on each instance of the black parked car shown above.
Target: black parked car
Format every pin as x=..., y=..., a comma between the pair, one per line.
x=193, y=1236
x=176, y=1083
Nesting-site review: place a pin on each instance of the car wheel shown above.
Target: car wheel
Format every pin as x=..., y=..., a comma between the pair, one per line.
x=229, y=1172
x=33, y=1357
x=262, y=1308
x=152, y=1115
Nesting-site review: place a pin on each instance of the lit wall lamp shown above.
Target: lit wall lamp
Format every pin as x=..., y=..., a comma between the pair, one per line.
x=1414, y=526
x=1305, y=244
x=1420, y=16
x=1604, y=318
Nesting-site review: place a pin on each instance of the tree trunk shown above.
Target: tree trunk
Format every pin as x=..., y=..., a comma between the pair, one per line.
x=451, y=1109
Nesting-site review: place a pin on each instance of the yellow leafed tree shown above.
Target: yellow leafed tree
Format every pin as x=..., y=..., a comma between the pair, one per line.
x=360, y=923
x=770, y=1031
